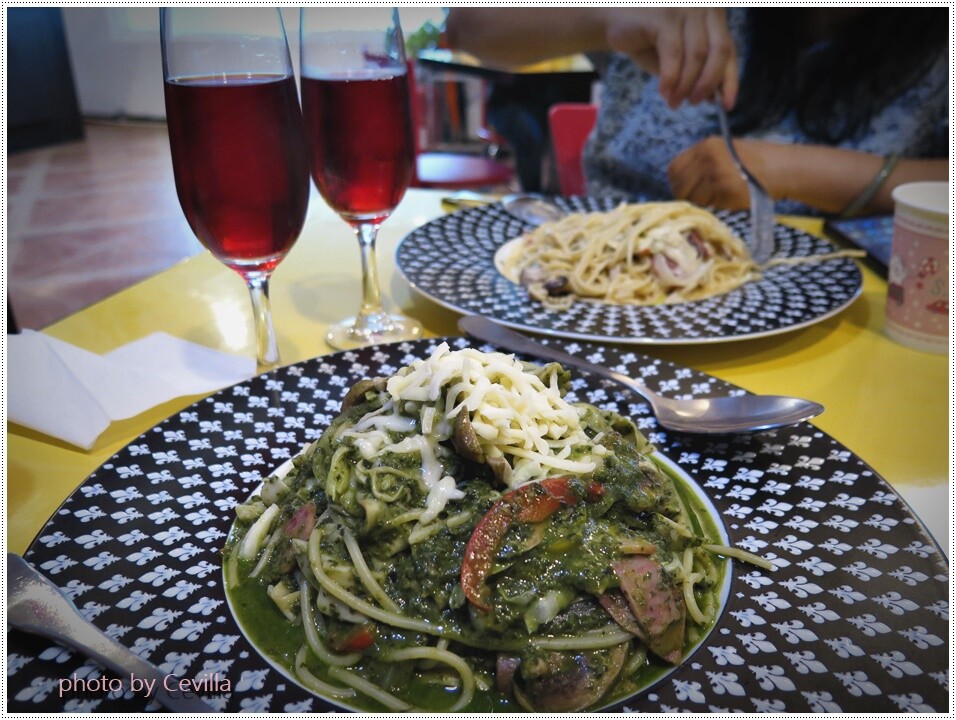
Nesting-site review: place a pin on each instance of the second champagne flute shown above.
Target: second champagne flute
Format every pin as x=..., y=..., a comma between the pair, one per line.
x=357, y=112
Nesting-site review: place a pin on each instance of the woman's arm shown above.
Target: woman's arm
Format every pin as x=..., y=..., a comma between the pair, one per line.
x=690, y=48
x=825, y=178
x=521, y=36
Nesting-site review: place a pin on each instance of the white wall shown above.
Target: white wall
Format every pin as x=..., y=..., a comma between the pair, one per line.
x=117, y=63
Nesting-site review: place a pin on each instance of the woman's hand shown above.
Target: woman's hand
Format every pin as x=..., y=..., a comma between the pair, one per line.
x=689, y=48
x=825, y=178
x=705, y=174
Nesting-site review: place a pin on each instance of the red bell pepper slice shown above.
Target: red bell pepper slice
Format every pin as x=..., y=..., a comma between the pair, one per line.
x=355, y=640
x=533, y=503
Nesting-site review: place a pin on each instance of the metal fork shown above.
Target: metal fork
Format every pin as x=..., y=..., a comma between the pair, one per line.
x=761, y=204
x=35, y=605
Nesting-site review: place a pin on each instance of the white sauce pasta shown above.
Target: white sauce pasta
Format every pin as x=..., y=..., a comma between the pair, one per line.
x=640, y=254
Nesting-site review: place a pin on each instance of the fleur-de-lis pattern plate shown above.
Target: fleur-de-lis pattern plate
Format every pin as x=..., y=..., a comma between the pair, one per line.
x=451, y=261
x=854, y=618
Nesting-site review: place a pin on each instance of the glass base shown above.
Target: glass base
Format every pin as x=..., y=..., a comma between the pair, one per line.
x=359, y=332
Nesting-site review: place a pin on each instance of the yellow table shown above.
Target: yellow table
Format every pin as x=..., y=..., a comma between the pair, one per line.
x=886, y=403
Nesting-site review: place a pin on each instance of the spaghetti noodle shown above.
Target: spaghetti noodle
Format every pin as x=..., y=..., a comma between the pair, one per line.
x=641, y=254
x=464, y=518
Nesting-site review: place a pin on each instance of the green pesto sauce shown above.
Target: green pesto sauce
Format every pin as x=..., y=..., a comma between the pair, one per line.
x=279, y=640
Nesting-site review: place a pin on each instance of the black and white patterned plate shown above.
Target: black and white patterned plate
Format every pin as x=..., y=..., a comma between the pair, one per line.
x=855, y=618
x=451, y=261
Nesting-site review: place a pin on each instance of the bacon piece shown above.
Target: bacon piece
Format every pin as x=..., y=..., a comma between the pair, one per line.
x=656, y=603
x=301, y=525
x=505, y=668
x=697, y=241
x=561, y=682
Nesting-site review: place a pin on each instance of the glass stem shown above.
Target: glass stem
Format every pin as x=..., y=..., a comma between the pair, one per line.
x=267, y=349
x=371, y=296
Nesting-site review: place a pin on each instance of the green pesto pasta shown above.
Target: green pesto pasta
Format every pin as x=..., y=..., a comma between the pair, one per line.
x=462, y=538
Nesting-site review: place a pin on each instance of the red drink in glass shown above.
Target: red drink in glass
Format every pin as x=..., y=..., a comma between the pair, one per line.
x=360, y=137
x=240, y=164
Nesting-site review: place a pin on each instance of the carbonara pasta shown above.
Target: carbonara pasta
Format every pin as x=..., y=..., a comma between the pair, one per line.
x=639, y=254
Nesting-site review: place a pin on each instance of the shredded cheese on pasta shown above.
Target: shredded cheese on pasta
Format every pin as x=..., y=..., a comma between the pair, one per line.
x=514, y=414
x=516, y=417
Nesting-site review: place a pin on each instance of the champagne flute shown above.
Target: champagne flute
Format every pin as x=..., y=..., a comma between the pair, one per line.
x=356, y=106
x=237, y=142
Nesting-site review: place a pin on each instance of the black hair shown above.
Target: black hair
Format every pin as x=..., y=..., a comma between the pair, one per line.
x=835, y=87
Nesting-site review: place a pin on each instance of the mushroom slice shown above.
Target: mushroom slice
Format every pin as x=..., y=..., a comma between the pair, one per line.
x=356, y=393
x=466, y=440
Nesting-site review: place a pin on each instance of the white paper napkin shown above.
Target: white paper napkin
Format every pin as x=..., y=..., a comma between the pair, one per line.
x=73, y=394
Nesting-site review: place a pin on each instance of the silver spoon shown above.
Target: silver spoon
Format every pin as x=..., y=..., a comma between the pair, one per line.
x=37, y=606
x=726, y=414
x=532, y=209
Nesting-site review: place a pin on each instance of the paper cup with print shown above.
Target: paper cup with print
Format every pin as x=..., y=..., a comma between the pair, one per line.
x=917, y=302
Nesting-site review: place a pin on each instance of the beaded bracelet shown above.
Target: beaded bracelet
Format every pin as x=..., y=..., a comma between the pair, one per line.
x=863, y=199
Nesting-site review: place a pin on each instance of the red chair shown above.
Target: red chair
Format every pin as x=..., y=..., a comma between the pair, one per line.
x=450, y=170
x=571, y=124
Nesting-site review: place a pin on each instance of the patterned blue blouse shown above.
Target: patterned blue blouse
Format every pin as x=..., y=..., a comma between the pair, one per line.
x=637, y=134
